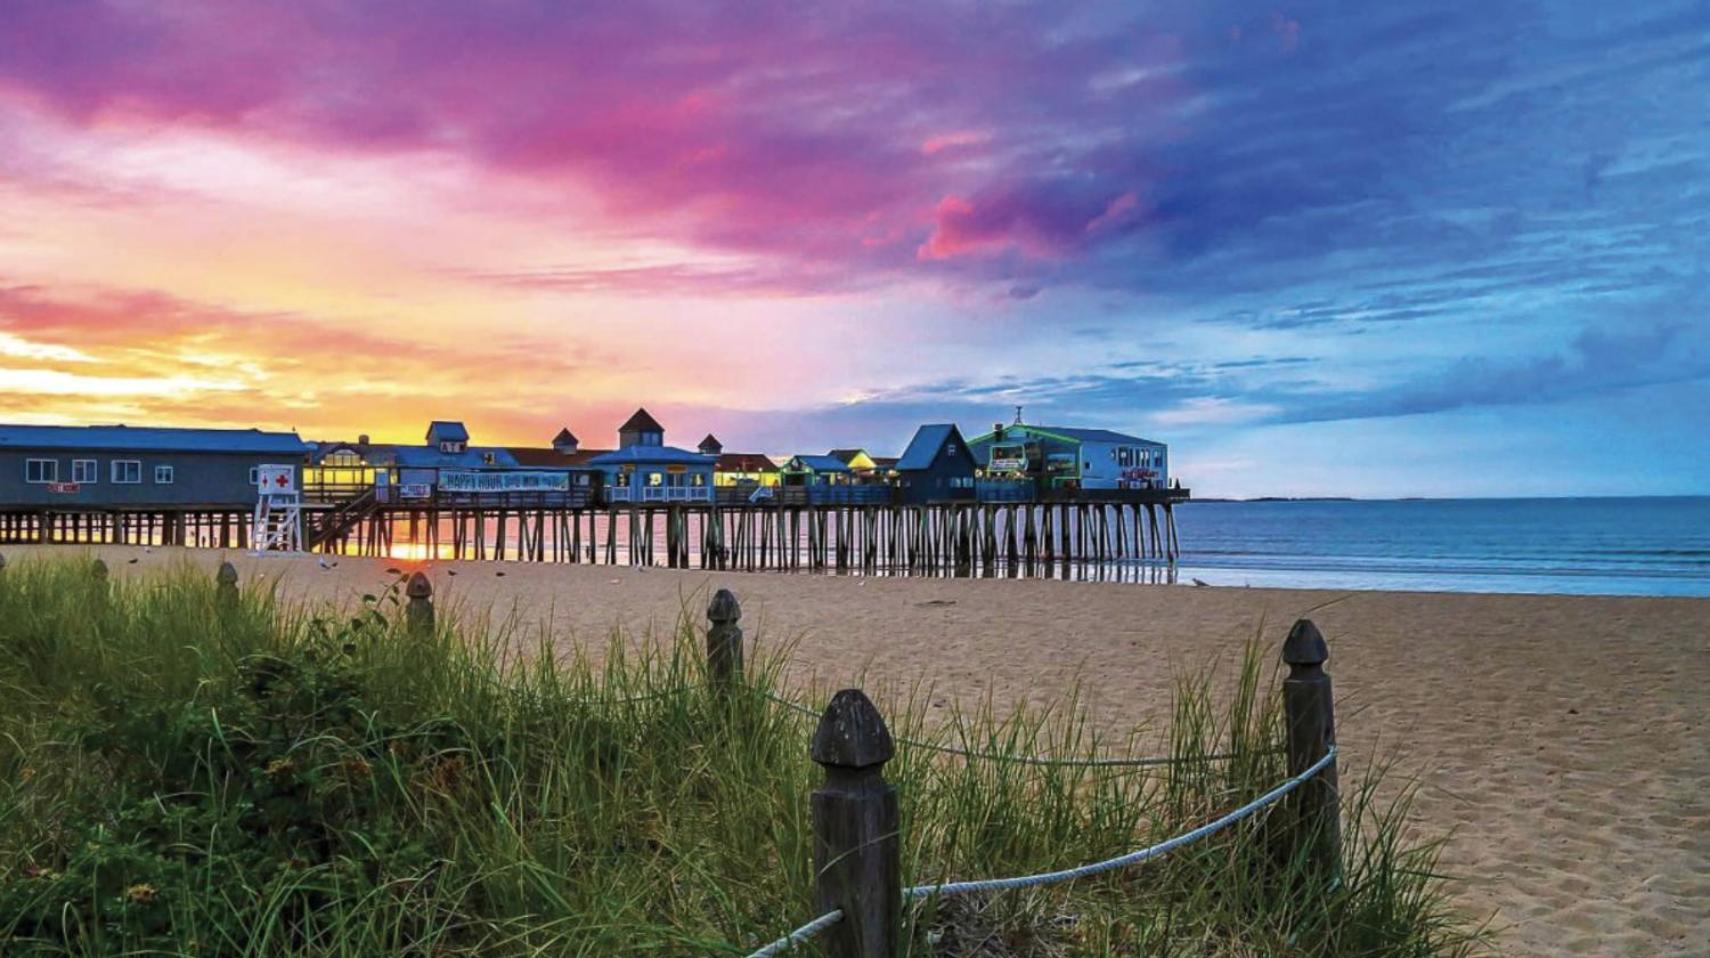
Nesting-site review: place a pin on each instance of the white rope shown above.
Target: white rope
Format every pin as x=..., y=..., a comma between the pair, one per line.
x=789, y=941
x=1039, y=760
x=1110, y=864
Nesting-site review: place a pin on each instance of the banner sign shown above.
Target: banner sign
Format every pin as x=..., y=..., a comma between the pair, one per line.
x=63, y=487
x=415, y=490
x=508, y=480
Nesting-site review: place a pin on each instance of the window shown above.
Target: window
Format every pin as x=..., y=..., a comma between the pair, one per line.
x=1125, y=457
x=655, y=479
x=254, y=475
x=41, y=470
x=950, y=449
x=127, y=470
x=163, y=475
x=83, y=470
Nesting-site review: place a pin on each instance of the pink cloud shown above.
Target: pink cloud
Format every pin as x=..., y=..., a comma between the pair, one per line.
x=818, y=135
x=1043, y=220
x=953, y=140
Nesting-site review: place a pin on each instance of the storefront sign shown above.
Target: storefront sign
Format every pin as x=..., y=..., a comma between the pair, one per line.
x=498, y=482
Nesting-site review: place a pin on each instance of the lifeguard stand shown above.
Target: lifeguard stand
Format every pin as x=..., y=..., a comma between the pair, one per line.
x=278, y=525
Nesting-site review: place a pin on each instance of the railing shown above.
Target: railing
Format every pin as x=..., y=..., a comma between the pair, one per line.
x=850, y=495
x=1005, y=490
x=662, y=494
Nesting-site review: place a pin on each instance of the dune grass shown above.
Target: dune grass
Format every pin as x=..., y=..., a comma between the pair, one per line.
x=180, y=776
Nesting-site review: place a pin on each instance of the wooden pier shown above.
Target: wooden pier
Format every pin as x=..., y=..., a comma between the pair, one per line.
x=787, y=533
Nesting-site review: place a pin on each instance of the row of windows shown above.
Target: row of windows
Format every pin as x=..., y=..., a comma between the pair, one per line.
x=659, y=479
x=1128, y=456
x=87, y=472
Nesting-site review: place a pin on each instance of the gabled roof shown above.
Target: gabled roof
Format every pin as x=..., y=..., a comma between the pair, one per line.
x=923, y=448
x=565, y=437
x=745, y=462
x=151, y=439
x=641, y=422
x=446, y=430
x=639, y=455
x=848, y=455
x=710, y=442
x=552, y=458
x=821, y=463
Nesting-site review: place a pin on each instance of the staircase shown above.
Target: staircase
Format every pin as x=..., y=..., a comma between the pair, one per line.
x=342, y=519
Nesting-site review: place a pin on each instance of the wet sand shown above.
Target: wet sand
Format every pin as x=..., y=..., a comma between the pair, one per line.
x=1563, y=740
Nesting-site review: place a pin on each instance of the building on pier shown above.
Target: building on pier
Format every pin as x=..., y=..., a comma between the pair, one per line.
x=937, y=466
x=815, y=471
x=644, y=469
x=447, y=467
x=1067, y=457
x=96, y=467
x=744, y=469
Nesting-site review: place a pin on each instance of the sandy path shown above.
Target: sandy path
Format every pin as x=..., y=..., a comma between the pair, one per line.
x=1565, y=739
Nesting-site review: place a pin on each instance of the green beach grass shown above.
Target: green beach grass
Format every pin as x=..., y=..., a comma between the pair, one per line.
x=182, y=776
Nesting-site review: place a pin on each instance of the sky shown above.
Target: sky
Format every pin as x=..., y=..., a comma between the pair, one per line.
x=1418, y=247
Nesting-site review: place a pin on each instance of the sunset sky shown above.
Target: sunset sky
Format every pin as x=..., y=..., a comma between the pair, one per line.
x=1397, y=248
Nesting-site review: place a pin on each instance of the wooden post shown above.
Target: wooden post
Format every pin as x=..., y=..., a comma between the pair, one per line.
x=724, y=641
x=418, y=614
x=225, y=586
x=1310, y=710
x=856, y=846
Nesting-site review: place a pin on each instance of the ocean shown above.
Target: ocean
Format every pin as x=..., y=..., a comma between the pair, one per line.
x=1637, y=546
x=1614, y=546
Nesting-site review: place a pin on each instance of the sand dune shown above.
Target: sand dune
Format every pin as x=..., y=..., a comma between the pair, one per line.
x=1564, y=739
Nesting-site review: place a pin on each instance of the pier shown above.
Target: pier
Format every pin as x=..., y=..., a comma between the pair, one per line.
x=829, y=529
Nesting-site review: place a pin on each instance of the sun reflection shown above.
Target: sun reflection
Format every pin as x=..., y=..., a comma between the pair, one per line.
x=417, y=552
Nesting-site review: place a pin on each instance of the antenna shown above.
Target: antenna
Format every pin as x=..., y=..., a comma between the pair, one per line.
x=1018, y=415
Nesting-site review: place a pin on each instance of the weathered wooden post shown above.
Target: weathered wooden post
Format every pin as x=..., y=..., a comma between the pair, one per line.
x=225, y=586
x=856, y=846
x=418, y=614
x=1309, y=706
x=724, y=641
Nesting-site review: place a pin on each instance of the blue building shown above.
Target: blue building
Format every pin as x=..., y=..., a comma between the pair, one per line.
x=445, y=467
x=936, y=467
x=99, y=467
x=1066, y=457
x=644, y=469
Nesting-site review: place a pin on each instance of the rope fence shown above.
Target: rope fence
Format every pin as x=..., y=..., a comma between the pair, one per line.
x=805, y=932
x=943, y=889
x=857, y=824
x=1131, y=858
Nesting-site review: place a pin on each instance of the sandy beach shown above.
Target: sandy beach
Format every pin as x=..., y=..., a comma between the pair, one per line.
x=1563, y=740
